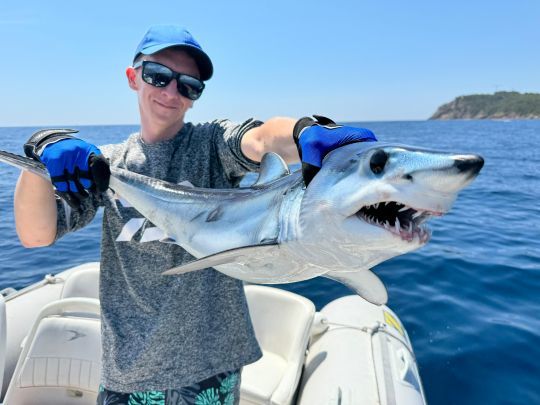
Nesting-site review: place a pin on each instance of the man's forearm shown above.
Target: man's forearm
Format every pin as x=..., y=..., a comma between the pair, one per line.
x=275, y=135
x=35, y=211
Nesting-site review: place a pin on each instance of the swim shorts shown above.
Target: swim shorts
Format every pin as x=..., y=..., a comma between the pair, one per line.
x=221, y=389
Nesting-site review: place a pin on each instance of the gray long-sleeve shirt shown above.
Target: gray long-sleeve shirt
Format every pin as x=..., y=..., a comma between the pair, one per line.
x=161, y=332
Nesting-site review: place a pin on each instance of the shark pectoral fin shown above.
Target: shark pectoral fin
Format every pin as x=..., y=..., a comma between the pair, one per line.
x=228, y=256
x=366, y=284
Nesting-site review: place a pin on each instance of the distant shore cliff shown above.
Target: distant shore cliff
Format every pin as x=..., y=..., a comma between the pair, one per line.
x=501, y=105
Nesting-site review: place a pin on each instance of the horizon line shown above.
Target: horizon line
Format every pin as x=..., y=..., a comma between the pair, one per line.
x=193, y=122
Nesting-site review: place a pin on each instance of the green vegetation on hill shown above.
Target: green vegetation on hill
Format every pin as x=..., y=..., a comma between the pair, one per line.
x=501, y=105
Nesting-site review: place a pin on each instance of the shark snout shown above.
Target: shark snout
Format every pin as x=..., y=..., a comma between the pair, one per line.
x=446, y=174
x=469, y=165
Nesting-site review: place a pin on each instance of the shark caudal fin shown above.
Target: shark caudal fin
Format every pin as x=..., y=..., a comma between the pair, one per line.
x=366, y=284
x=24, y=163
x=237, y=255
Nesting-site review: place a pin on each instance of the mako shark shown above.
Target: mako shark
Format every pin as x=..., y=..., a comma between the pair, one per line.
x=368, y=203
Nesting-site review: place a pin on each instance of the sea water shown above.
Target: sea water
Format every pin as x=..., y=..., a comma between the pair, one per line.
x=470, y=299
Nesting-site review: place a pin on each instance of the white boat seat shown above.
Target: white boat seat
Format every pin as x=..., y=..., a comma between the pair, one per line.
x=282, y=323
x=84, y=282
x=61, y=360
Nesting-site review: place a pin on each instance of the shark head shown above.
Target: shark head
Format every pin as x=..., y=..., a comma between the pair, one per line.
x=376, y=198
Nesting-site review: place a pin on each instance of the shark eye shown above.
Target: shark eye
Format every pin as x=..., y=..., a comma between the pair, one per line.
x=378, y=160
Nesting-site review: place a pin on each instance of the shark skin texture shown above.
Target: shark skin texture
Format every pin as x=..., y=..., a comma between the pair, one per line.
x=368, y=203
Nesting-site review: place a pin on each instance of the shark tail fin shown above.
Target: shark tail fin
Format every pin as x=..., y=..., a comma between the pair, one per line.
x=237, y=255
x=24, y=163
x=366, y=284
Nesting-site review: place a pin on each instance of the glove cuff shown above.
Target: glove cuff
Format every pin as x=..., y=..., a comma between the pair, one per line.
x=305, y=122
x=33, y=148
x=300, y=125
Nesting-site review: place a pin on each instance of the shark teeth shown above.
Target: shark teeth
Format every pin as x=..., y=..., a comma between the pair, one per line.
x=399, y=219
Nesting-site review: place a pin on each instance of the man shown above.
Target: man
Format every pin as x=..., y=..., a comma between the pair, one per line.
x=168, y=339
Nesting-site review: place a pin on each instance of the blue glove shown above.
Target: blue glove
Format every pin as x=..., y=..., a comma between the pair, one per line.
x=316, y=138
x=74, y=165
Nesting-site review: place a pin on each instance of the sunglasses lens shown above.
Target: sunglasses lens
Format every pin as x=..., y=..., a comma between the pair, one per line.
x=157, y=75
x=190, y=87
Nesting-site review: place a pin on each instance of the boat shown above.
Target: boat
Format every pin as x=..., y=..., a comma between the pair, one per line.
x=350, y=352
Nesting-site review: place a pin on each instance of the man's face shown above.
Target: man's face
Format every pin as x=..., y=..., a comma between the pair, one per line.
x=164, y=107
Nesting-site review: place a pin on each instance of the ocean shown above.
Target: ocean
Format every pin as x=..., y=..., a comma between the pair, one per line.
x=470, y=299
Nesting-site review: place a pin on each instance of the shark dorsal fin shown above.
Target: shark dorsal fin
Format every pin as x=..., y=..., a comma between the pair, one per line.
x=273, y=167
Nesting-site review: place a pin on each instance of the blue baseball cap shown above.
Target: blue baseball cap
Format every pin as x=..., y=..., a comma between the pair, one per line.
x=159, y=37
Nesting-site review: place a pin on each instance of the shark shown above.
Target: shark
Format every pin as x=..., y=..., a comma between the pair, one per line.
x=369, y=202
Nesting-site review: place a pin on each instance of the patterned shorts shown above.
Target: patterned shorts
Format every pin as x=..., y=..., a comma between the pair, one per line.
x=222, y=389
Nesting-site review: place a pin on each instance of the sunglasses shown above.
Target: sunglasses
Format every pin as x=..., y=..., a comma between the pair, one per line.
x=159, y=75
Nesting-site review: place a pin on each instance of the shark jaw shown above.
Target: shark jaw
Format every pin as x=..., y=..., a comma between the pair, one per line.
x=401, y=220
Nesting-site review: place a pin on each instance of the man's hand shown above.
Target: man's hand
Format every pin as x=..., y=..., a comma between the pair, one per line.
x=316, y=138
x=74, y=165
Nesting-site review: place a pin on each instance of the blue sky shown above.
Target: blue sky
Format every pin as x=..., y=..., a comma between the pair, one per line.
x=63, y=62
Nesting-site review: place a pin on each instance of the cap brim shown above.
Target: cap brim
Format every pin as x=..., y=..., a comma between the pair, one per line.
x=204, y=63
